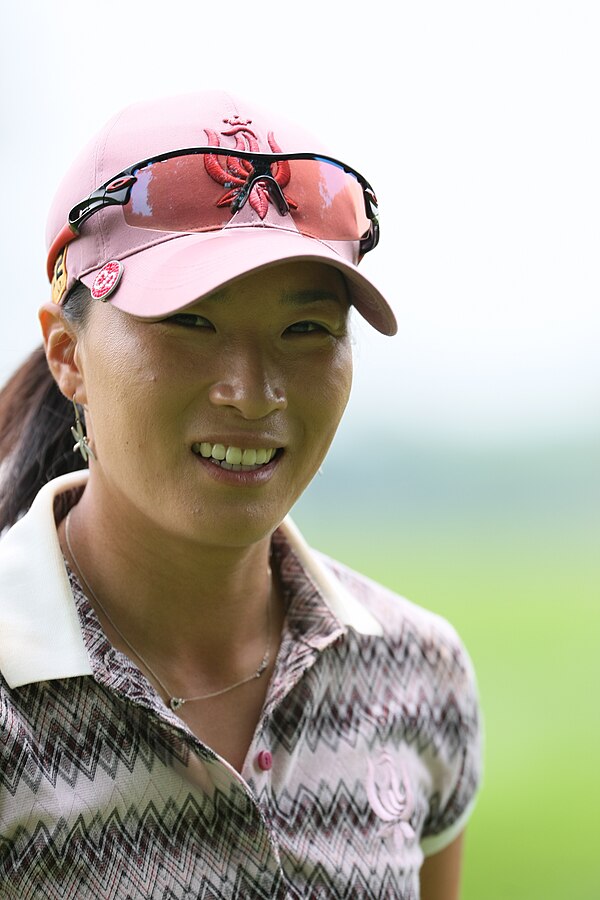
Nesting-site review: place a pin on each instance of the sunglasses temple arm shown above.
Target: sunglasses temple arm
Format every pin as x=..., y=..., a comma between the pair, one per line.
x=78, y=215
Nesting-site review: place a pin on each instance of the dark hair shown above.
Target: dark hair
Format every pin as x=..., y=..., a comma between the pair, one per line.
x=35, y=425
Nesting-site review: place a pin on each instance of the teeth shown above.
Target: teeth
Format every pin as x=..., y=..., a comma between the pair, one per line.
x=234, y=458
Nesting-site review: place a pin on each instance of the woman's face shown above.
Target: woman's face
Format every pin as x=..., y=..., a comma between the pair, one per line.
x=259, y=371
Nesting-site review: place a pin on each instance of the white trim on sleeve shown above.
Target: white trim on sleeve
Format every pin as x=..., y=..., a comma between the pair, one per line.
x=436, y=842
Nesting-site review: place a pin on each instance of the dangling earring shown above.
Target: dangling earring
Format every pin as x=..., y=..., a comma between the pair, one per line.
x=80, y=436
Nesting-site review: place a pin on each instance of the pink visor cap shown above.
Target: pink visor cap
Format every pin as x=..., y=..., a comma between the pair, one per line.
x=150, y=263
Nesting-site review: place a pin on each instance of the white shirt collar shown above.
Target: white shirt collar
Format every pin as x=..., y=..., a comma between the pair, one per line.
x=40, y=634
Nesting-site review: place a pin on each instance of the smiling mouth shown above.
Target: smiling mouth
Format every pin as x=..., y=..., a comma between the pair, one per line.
x=236, y=459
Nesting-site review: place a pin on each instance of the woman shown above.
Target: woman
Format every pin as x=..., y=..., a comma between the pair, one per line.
x=194, y=703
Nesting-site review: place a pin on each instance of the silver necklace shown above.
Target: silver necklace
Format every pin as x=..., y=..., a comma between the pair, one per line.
x=174, y=702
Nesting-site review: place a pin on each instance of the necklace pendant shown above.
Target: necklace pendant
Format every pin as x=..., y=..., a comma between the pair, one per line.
x=176, y=703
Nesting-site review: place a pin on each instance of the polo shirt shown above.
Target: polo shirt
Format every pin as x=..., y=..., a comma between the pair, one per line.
x=366, y=757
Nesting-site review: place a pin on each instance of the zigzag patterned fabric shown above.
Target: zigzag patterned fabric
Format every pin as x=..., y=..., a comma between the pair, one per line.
x=374, y=745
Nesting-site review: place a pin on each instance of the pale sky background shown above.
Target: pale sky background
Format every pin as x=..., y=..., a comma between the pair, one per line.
x=476, y=122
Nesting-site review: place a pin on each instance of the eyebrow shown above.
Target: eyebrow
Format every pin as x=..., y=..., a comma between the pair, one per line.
x=311, y=295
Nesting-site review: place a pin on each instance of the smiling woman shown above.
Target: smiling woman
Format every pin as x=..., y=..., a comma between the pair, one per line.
x=181, y=675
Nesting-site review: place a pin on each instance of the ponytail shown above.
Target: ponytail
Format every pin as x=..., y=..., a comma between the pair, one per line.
x=35, y=427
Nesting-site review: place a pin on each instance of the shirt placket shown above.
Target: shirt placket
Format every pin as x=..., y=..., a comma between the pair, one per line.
x=309, y=630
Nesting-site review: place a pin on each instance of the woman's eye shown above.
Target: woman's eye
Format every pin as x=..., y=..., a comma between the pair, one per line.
x=306, y=327
x=189, y=320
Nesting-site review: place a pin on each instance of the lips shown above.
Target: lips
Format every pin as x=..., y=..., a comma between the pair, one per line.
x=237, y=459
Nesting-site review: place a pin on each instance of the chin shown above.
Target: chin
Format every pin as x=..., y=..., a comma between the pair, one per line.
x=235, y=528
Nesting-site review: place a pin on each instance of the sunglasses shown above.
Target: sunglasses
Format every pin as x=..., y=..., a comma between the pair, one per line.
x=200, y=189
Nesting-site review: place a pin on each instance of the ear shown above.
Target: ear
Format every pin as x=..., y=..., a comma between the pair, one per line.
x=61, y=345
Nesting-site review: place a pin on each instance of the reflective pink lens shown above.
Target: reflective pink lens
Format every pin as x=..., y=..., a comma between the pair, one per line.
x=199, y=192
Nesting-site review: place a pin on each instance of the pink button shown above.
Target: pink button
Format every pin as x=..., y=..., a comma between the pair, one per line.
x=264, y=760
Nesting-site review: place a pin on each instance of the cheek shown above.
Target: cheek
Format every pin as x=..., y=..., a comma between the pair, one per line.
x=327, y=390
x=123, y=397
x=337, y=381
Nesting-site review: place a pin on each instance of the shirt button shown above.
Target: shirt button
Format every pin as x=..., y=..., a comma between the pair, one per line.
x=264, y=760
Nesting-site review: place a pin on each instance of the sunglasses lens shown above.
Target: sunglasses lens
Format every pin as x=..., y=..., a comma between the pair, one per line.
x=202, y=192
x=327, y=202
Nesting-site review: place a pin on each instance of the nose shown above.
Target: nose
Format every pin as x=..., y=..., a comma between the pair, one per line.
x=250, y=384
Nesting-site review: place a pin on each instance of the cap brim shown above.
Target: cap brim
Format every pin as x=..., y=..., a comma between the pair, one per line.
x=177, y=272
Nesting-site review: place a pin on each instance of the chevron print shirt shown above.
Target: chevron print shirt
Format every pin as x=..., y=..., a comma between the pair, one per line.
x=365, y=759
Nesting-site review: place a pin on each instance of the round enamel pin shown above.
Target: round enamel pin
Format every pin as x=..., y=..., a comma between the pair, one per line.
x=107, y=280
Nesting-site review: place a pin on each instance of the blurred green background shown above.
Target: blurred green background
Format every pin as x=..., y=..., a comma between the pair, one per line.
x=502, y=541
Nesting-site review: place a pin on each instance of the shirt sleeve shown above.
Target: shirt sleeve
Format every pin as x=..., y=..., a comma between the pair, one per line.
x=456, y=768
x=443, y=688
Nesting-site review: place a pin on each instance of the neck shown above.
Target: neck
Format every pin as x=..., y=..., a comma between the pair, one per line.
x=162, y=592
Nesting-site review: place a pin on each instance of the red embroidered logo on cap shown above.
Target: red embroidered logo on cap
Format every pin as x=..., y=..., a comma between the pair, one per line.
x=107, y=280
x=233, y=173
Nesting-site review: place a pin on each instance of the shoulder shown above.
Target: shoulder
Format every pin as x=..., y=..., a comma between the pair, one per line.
x=422, y=654
x=403, y=621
